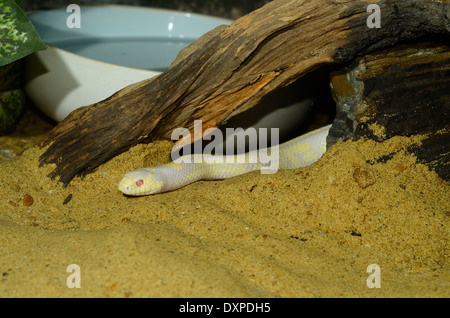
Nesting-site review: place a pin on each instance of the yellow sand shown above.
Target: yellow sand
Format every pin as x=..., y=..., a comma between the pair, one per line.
x=310, y=232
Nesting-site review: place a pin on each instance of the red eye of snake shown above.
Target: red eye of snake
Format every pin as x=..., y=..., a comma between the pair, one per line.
x=139, y=183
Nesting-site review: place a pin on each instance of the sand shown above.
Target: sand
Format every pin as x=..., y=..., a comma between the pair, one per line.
x=310, y=232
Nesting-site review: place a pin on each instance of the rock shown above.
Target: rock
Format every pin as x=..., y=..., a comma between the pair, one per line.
x=398, y=91
x=28, y=200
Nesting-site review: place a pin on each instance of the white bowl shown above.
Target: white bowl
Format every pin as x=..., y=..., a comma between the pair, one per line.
x=116, y=46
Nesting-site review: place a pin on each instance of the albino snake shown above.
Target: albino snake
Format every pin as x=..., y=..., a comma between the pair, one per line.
x=296, y=153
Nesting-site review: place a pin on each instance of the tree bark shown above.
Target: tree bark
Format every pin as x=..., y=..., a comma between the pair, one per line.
x=404, y=91
x=230, y=69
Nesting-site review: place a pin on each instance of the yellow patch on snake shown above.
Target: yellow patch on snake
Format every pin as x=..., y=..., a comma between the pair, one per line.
x=174, y=165
x=307, y=153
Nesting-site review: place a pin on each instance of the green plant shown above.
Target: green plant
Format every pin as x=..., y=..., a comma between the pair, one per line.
x=18, y=38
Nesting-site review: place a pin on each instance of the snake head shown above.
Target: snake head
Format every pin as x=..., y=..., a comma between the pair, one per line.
x=140, y=182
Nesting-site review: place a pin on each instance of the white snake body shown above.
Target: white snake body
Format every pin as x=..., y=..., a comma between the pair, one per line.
x=296, y=153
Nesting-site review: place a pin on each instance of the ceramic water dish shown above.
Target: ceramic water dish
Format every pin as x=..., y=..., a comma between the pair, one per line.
x=114, y=47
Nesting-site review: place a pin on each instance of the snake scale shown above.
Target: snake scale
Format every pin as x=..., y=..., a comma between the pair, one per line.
x=296, y=153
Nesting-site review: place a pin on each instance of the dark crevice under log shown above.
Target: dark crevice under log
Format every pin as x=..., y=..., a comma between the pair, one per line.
x=229, y=70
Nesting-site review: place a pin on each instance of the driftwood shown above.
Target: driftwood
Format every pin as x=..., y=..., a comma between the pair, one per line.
x=230, y=69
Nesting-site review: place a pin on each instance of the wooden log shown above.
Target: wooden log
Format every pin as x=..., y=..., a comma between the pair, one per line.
x=401, y=91
x=230, y=69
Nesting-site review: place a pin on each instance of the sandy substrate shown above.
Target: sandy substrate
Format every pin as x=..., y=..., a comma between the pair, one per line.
x=310, y=232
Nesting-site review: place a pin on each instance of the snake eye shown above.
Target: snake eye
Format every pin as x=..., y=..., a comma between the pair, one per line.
x=139, y=183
